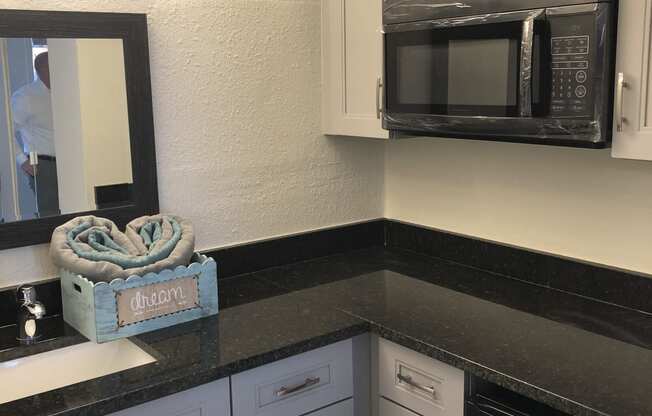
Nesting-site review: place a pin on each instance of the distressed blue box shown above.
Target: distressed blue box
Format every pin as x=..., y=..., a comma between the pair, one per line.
x=122, y=308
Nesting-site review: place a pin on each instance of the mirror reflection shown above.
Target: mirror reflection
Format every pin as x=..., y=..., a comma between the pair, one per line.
x=64, y=127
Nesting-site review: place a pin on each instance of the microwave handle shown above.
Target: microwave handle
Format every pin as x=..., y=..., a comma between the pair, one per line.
x=525, y=65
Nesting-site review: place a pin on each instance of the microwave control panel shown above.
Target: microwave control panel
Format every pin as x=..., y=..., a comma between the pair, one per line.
x=571, y=50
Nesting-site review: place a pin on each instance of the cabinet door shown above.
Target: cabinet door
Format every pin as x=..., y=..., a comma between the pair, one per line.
x=210, y=399
x=352, y=62
x=344, y=408
x=296, y=385
x=632, y=139
x=387, y=408
x=419, y=383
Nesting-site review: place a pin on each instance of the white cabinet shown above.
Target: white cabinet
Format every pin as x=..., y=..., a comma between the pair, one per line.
x=352, y=62
x=417, y=382
x=210, y=399
x=330, y=381
x=297, y=385
x=387, y=408
x=633, y=96
x=344, y=408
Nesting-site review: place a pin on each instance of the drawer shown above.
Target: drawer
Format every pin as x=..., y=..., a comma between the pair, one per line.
x=344, y=408
x=420, y=383
x=209, y=399
x=387, y=408
x=296, y=385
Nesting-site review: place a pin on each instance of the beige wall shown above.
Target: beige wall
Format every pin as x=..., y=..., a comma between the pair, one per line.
x=67, y=125
x=572, y=202
x=236, y=88
x=91, y=124
x=105, y=121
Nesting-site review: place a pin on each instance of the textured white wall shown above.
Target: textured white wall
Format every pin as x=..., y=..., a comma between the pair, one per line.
x=236, y=88
x=572, y=202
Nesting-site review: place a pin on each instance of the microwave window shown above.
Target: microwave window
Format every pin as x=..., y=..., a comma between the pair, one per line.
x=479, y=72
x=482, y=72
x=422, y=71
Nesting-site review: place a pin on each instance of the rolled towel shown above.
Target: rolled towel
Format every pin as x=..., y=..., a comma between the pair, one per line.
x=95, y=248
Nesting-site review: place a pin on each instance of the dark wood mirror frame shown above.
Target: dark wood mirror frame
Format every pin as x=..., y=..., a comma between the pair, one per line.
x=132, y=29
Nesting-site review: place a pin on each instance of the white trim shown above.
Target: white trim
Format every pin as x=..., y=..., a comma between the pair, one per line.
x=4, y=62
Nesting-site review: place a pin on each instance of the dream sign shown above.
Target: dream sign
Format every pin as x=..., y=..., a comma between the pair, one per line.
x=146, y=302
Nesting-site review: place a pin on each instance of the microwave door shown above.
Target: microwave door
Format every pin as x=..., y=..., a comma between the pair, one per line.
x=467, y=67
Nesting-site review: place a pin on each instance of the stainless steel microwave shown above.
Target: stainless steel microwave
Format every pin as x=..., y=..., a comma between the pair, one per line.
x=533, y=71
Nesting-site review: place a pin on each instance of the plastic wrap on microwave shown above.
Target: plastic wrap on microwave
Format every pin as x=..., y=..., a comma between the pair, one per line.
x=544, y=129
x=464, y=21
x=527, y=130
x=401, y=11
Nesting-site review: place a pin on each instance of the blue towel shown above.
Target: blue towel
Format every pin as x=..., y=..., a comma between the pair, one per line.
x=95, y=248
x=106, y=249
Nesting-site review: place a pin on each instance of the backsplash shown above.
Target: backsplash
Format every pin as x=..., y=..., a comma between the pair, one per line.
x=605, y=284
x=390, y=238
x=237, y=116
x=20, y=265
x=570, y=202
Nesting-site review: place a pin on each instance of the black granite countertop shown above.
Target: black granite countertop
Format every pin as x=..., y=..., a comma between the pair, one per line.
x=575, y=354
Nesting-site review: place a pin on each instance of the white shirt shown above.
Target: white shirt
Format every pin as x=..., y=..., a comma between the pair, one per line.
x=32, y=113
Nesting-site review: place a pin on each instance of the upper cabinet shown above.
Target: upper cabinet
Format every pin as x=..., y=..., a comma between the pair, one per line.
x=352, y=68
x=632, y=134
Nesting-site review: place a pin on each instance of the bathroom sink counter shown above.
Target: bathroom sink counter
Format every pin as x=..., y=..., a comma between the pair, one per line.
x=575, y=354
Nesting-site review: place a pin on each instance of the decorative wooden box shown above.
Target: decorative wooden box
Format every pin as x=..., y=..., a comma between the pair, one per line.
x=107, y=311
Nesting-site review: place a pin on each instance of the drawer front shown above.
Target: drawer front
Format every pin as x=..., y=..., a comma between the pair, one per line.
x=420, y=383
x=209, y=399
x=296, y=385
x=344, y=408
x=387, y=408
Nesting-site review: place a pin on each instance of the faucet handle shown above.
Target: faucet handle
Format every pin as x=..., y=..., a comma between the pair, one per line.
x=26, y=294
x=26, y=297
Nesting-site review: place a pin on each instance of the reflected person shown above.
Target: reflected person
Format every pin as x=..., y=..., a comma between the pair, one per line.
x=32, y=113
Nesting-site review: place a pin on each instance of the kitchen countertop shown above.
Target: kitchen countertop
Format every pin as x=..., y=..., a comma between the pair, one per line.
x=575, y=354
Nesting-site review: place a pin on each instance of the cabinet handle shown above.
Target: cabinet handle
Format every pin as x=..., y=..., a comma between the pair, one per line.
x=408, y=380
x=487, y=407
x=620, y=86
x=492, y=410
x=379, y=108
x=284, y=391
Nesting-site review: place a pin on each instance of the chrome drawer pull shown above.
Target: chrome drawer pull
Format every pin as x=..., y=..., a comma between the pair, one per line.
x=408, y=380
x=284, y=391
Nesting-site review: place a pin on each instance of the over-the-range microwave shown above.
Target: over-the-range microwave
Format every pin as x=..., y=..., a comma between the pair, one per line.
x=533, y=71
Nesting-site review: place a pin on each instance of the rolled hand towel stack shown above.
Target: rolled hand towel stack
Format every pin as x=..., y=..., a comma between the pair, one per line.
x=96, y=249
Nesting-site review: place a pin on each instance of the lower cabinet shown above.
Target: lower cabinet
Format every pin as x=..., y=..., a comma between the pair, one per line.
x=418, y=383
x=387, y=408
x=211, y=399
x=297, y=385
x=330, y=381
x=344, y=408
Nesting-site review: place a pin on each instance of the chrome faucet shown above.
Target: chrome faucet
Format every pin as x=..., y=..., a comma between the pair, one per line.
x=29, y=312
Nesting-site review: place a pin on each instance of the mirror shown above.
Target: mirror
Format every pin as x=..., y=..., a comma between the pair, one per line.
x=76, y=125
x=64, y=127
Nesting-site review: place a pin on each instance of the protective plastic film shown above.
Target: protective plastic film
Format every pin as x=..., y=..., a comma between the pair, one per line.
x=401, y=11
x=544, y=127
x=525, y=67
